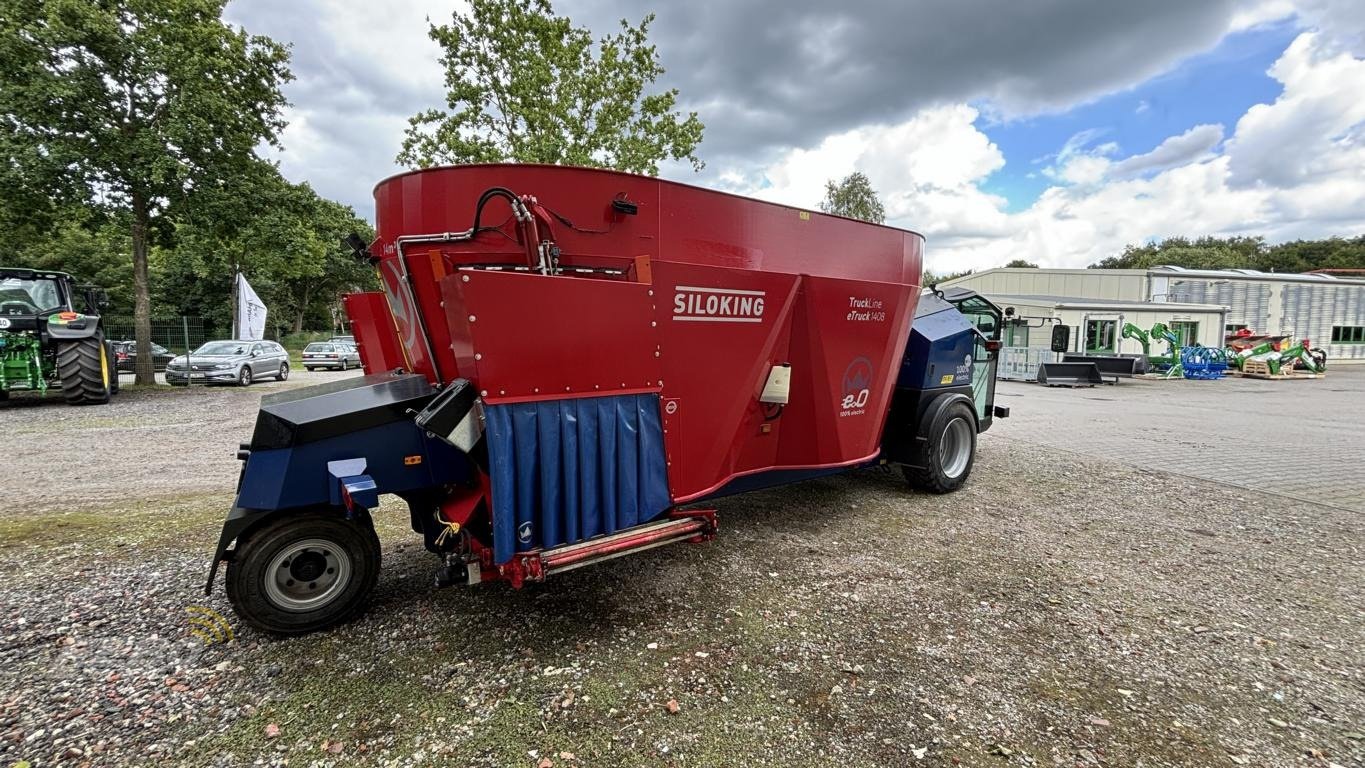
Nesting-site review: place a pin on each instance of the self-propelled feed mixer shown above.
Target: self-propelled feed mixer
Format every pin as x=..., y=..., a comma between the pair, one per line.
x=567, y=365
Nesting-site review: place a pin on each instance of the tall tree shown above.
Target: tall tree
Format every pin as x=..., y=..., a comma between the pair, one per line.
x=524, y=85
x=853, y=197
x=284, y=237
x=1020, y=264
x=138, y=103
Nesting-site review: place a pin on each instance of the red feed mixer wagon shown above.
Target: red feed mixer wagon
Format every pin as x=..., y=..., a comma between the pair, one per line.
x=566, y=365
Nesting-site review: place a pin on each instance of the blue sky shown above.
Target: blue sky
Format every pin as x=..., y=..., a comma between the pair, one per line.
x=1213, y=87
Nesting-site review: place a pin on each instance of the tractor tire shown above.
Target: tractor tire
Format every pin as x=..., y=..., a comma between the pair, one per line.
x=113, y=375
x=947, y=455
x=303, y=572
x=84, y=369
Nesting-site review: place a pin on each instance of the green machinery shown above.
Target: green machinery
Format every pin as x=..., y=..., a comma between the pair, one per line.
x=1280, y=354
x=1169, y=364
x=45, y=342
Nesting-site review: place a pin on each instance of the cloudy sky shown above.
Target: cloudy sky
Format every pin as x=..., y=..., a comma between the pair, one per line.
x=1055, y=130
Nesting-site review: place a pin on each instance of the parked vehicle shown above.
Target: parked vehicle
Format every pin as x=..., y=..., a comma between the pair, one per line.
x=45, y=342
x=125, y=355
x=555, y=395
x=229, y=362
x=336, y=355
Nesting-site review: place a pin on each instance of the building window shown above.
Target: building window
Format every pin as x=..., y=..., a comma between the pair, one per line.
x=1348, y=334
x=1101, y=335
x=1232, y=328
x=1016, y=335
x=1187, y=331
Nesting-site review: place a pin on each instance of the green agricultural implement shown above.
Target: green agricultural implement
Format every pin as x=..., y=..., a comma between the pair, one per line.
x=46, y=343
x=1168, y=364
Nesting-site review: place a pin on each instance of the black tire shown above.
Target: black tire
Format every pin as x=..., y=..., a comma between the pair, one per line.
x=244, y=376
x=343, y=364
x=327, y=539
x=283, y=375
x=944, y=466
x=113, y=379
x=310, y=368
x=84, y=369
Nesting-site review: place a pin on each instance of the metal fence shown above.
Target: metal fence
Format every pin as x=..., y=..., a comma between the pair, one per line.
x=1021, y=363
x=178, y=334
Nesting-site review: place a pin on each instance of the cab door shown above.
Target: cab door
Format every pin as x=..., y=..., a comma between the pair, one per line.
x=986, y=318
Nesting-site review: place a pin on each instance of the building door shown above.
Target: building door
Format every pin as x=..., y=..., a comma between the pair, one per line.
x=1101, y=336
x=1187, y=331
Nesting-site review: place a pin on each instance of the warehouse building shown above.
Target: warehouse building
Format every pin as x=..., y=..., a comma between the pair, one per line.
x=1200, y=306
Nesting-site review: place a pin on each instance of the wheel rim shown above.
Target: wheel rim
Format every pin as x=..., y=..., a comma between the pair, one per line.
x=246, y=375
x=104, y=365
x=284, y=372
x=955, y=449
x=307, y=575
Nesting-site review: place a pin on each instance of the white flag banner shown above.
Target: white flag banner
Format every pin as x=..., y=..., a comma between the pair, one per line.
x=250, y=311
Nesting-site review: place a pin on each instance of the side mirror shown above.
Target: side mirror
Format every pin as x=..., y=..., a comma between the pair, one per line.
x=1061, y=338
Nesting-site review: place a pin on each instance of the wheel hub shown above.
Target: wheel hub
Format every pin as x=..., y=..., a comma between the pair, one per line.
x=307, y=575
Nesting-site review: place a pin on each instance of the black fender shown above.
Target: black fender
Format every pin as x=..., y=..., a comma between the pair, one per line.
x=79, y=327
x=912, y=414
x=238, y=522
x=241, y=521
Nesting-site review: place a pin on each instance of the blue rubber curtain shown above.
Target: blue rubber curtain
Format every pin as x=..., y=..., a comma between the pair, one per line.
x=568, y=470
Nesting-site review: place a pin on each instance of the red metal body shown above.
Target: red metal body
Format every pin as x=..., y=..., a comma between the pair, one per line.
x=582, y=282
x=696, y=296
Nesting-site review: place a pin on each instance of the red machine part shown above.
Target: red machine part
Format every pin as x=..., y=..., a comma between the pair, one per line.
x=575, y=282
x=375, y=334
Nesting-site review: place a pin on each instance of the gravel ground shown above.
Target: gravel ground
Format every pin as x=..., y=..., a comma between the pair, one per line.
x=1072, y=612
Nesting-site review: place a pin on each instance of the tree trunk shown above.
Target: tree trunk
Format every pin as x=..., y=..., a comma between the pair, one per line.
x=142, y=295
x=303, y=309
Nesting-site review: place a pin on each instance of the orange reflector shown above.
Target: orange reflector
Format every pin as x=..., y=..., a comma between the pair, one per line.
x=412, y=460
x=68, y=315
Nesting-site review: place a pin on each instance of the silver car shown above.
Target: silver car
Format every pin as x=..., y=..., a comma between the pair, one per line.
x=330, y=354
x=230, y=362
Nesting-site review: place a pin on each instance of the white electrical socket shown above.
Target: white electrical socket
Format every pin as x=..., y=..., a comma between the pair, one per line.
x=778, y=386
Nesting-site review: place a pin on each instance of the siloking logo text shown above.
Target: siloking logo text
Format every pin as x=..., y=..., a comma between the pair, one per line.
x=717, y=305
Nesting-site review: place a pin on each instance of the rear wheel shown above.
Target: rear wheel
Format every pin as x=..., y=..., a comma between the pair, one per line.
x=303, y=572
x=283, y=375
x=343, y=364
x=113, y=377
x=84, y=369
x=945, y=460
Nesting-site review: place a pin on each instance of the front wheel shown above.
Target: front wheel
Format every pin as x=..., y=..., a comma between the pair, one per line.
x=945, y=461
x=84, y=368
x=303, y=572
x=283, y=375
x=244, y=376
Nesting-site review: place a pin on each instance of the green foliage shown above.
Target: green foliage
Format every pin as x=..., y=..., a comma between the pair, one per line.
x=524, y=85
x=1242, y=253
x=928, y=278
x=92, y=248
x=853, y=197
x=136, y=105
x=283, y=237
x=1020, y=264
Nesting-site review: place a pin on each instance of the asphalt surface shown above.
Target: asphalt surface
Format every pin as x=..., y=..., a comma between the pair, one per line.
x=1302, y=438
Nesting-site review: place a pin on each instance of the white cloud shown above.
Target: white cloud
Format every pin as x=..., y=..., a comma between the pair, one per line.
x=1292, y=168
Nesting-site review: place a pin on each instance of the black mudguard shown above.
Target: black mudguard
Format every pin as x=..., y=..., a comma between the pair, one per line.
x=911, y=414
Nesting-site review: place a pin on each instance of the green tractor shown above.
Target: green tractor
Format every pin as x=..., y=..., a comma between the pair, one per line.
x=45, y=342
